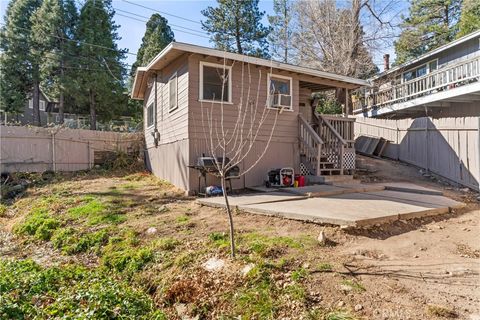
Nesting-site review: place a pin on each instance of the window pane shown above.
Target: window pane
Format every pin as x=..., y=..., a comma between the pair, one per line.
x=409, y=75
x=422, y=71
x=433, y=66
x=281, y=86
x=173, y=92
x=213, y=81
x=150, y=115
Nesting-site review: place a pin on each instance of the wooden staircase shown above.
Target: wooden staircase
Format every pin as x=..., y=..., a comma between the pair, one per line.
x=327, y=145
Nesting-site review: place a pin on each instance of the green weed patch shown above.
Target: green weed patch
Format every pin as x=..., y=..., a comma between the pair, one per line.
x=29, y=291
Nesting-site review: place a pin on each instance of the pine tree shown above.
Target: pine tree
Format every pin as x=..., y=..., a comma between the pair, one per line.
x=157, y=36
x=53, y=33
x=19, y=66
x=281, y=31
x=101, y=74
x=430, y=24
x=235, y=26
x=470, y=17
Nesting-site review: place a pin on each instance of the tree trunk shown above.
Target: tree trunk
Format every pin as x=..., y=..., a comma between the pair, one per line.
x=356, y=37
x=93, y=114
x=61, y=108
x=285, y=43
x=36, y=103
x=237, y=30
x=61, y=98
x=230, y=217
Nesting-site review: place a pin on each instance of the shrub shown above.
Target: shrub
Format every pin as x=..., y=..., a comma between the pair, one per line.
x=327, y=105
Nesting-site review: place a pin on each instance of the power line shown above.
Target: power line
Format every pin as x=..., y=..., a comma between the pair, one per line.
x=73, y=40
x=146, y=20
x=194, y=34
x=162, y=12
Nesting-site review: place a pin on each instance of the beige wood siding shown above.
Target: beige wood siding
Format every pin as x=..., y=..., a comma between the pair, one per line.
x=172, y=125
x=170, y=159
x=282, y=151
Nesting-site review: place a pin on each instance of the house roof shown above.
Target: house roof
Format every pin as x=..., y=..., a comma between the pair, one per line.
x=175, y=49
x=429, y=54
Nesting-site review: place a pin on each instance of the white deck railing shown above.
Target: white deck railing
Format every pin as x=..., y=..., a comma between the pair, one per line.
x=447, y=78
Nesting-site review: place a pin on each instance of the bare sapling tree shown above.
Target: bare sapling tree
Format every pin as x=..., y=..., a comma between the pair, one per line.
x=232, y=132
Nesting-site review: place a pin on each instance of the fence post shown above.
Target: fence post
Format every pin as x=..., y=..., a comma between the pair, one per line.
x=427, y=166
x=54, y=165
x=89, y=157
x=478, y=156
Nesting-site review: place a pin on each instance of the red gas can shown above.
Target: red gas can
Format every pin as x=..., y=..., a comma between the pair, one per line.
x=301, y=181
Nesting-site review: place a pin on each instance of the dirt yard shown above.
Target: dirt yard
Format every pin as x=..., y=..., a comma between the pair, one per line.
x=103, y=245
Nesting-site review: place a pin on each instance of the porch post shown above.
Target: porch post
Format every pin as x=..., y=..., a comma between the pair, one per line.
x=347, y=107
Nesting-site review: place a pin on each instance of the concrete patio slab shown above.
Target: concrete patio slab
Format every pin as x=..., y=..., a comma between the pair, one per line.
x=263, y=189
x=409, y=187
x=323, y=190
x=357, y=209
x=252, y=198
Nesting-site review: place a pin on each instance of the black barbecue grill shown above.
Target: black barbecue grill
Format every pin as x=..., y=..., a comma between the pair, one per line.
x=208, y=165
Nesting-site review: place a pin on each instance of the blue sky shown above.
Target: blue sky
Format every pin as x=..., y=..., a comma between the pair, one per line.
x=132, y=30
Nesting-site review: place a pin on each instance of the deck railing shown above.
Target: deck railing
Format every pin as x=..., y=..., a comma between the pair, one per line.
x=447, y=78
x=310, y=143
x=337, y=134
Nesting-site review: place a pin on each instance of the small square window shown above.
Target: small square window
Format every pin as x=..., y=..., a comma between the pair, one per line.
x=215, y=82
x=279, y=92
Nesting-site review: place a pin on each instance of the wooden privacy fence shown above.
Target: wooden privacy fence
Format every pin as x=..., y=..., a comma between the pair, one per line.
x=449, y=147
x=33, y=149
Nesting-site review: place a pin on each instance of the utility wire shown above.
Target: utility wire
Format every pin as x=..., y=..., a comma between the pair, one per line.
x=162, y=12
x=73, y=40
x=178, y=30
x=146, y=20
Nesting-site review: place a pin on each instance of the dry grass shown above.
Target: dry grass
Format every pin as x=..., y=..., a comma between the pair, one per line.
x=101, y=222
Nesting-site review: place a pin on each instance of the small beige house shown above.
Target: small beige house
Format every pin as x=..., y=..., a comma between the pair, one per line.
x=184, y=80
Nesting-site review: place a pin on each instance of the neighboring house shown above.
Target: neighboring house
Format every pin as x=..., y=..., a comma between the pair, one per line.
x=183, y=76
x=48, y=113
x=444, y=82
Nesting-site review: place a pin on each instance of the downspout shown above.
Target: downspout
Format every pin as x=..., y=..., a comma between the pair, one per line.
x=156, y=134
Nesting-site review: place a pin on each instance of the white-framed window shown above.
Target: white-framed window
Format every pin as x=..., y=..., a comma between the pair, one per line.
x=279, y=92
x=173, y=92
x=420, y=70
x=42, y=104
x=150, y=115
x=215, y=82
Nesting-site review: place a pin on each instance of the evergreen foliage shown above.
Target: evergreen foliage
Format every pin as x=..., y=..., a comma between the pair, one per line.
x=281, y=31
x=157, y=36
x=430, y=24
x=19, y=66
x=53, y=32
x=469, y=18
x=235, y=26
x=101, y=73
